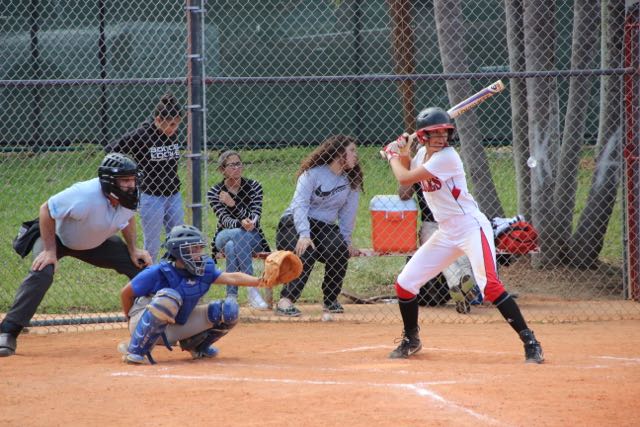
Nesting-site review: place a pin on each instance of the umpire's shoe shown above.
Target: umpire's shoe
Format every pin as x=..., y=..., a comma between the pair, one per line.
x=532, y=348
x=8, y=344
x=409, y=344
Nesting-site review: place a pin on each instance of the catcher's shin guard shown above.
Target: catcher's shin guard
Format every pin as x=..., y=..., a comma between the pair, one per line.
x=161, y=311
x=224, y=316
x=532, y=349
x=200, y=346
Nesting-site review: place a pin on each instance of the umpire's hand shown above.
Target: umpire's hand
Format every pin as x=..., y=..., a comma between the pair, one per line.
x=43, y=259
x=140, y=258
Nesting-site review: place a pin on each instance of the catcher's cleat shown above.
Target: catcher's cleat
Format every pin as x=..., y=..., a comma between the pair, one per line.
x=8, y=344
x=409, y=344
x=206, y=353
x=286, y=308
x=532, y=349
x=334, y=307
x=134, y=359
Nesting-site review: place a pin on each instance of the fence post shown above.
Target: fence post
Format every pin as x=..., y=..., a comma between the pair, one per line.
x=631, y=150
x=196, y=104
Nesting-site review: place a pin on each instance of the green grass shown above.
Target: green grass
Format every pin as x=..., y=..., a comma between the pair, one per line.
x=29, y=179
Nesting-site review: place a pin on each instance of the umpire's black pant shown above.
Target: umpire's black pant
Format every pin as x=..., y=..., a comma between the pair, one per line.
x=331, y=249
x=112, y=254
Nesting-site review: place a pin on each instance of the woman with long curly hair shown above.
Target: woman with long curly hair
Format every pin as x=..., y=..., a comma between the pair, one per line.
x=319, y=223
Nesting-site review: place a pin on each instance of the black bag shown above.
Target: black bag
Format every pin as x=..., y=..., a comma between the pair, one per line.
x=435, y=292
x=27, y=235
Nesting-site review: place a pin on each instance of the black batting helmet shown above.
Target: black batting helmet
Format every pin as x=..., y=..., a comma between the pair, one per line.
x=187, y=243
x=113, y=166
x=433, y=118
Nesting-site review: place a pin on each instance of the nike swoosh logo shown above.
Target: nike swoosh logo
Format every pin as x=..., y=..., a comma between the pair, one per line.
x=318, y=191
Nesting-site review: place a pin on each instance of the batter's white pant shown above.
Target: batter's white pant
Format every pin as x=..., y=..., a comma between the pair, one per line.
x=460, y=235
x=458, y=269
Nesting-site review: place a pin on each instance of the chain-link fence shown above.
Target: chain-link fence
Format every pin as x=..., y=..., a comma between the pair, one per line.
x=282, y=77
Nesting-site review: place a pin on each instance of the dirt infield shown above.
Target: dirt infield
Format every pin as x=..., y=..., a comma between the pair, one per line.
x=324, y=374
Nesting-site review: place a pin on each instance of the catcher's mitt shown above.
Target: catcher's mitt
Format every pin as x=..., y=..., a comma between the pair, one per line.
x=281, y=267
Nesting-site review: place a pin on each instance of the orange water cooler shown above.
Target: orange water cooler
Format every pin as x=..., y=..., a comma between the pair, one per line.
x=393, y=224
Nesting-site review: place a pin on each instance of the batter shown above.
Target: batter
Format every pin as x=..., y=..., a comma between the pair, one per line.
x=462, y=230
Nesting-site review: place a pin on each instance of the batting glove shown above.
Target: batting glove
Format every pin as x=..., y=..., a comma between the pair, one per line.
x=399, y=147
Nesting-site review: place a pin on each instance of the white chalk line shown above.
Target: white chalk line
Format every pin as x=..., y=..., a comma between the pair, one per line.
x=419, y=389
x=434, y=349
x=619, y=359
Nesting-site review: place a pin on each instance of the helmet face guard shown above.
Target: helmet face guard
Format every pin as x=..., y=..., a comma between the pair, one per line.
x=194, y=257
x=432, y=119
x=114, y=166
x=187, y=244
x=423, y=134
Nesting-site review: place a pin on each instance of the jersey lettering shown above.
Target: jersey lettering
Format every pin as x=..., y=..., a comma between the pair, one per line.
x=430, y=185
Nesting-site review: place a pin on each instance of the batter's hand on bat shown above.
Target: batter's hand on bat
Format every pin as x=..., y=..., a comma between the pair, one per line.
x=401, y=147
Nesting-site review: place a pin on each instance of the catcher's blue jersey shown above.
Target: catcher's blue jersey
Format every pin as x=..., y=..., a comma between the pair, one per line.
x=166, y=275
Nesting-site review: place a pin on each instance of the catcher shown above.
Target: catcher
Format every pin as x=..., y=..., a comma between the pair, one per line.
x=161, y=302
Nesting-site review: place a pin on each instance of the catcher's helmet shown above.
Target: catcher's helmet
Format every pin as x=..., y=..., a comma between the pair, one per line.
x=433, y=118
x=113, y=166
x=187, y=244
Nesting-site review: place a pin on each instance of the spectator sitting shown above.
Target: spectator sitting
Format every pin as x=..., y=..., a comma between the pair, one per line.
x=237, y=202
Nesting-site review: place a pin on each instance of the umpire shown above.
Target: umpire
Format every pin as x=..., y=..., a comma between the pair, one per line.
x=81, y=221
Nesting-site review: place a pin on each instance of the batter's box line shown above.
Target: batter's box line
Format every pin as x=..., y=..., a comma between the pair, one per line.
x=418, y=389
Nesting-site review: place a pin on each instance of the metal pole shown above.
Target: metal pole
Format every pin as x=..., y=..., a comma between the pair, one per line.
x=631, y=150
x=196, y=110
x=103, y=118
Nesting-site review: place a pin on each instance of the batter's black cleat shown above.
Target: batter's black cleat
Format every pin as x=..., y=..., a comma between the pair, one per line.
x=409, y=344
x=532, y=349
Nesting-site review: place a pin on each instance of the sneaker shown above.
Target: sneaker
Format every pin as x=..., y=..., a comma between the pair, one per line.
x=255, y=299
x=409, y=344
x=8, y=344
x=532, y=349
x=208, y=353
x=458, y=297
x=334, y=307
x=134, y=359
x=286, y=308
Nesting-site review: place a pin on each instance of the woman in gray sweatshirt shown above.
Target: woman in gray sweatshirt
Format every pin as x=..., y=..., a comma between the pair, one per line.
x=319, y=222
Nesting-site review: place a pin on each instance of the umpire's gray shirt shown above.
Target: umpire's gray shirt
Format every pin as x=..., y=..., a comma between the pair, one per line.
x=84, y=216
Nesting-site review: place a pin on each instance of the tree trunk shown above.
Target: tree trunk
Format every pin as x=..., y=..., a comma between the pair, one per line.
x=542, y=101
x=588, y=238
x=449, y=23
x=404, y=57
x=584, y=48
x=518, y=91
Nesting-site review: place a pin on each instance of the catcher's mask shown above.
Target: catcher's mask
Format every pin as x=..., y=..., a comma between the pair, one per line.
x=187, y=244
x=519, y=239
x=431, y=119
x=114, y=166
